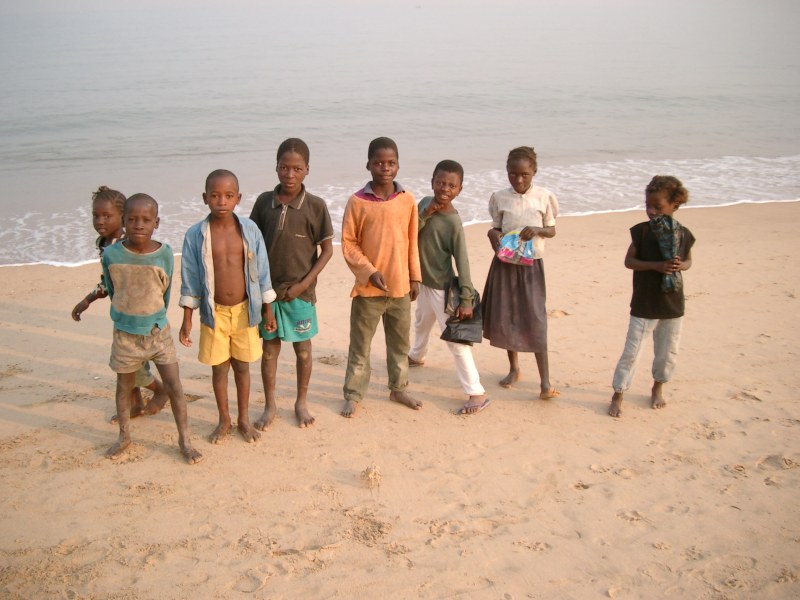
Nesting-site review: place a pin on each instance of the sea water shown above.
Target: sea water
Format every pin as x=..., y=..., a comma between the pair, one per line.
x=152, y=96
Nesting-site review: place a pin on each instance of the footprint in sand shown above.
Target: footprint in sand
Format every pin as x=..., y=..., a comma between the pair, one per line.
x=533, y=546
x=631, y=516
x=331, y=359
x=557, y=313
x=746, y=397
x=775, y=462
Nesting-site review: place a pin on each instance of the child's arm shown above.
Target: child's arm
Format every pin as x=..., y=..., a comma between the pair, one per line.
x=326, y=252
x=186, y=327
x=661, y=266
x=529, y=232
x=414, y=269
x=363, y=269
x=83, y=305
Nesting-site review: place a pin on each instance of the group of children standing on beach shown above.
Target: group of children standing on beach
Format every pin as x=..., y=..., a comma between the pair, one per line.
x=253, y=281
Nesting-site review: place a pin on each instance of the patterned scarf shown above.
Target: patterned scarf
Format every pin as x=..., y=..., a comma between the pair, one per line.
x=669, y=234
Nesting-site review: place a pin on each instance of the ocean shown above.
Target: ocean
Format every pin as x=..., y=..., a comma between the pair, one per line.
x=152, y=96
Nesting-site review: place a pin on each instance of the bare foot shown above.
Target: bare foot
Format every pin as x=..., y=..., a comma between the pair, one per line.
x=656, y=397
x=510, y=379
x=415, y=363
x=615, y=408
x=549, y=394
x=249, y=433
x=191, y=455
x=349, y=409
x=157, y=402
x=403, y=398
x=304, y=418
x=117, y=449
x=222, y=431
x=266, y=419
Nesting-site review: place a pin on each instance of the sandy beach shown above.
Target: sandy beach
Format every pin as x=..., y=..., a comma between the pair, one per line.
x=527, y=499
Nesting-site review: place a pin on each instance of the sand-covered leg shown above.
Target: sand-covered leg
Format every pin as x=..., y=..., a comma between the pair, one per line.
x=241, y=376
x=159, y=399
x=124, y=390
x=303, y=365
x=269, y=373
x=657, y=396
x=172, y=384
x=513, y=370
x=219, y=381
x=615, y=408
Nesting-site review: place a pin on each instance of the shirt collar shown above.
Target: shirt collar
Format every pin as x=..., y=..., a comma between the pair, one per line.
x=295, y=203
x=367, y=191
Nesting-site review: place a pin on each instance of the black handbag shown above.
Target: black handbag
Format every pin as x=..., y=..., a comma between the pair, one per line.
x=461, y=331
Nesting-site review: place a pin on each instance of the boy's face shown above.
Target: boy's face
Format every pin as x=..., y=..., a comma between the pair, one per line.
x=292, y=170
x=221, y=196
x=657, y=203
x=383, y=166
x=106, y=218
x=446, y=186
x=141, y=219
x=520, y=174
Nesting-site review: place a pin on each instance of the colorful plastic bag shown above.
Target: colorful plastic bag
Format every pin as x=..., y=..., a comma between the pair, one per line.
x=515, y=251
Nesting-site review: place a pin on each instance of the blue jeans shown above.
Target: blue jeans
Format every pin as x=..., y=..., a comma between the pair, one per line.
x=666, y=339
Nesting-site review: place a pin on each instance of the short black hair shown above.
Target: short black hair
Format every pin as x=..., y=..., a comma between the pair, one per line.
x=136, y=198
x=450, y=166
x=523, y=153
x=294, y=145
x=221, y=173
x=381, y=143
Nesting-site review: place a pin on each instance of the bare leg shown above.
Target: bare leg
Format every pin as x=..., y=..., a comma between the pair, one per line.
x=269, y=372
x=302, y=351
x=615, y=408
x=137, y=407
x=159, y=399
x=546, y=391
x=402, y=398
x=125, y=383
x=219, y=380
x=172, y=384
x=513, y=370
x=241, y=376
x=656, y=397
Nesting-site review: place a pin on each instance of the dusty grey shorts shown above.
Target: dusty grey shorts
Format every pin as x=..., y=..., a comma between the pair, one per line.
x=129, y=352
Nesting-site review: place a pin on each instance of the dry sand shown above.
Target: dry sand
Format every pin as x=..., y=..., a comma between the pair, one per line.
x=528, y=499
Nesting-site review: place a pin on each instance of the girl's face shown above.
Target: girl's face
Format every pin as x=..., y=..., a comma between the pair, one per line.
x=520, y=174
x=292, y=170
x=106, y=218
x=657, y=203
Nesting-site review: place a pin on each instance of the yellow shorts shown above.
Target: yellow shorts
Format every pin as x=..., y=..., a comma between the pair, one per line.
x=232, y=336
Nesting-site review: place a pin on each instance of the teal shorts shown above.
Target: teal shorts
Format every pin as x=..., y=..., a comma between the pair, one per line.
x=297, y=321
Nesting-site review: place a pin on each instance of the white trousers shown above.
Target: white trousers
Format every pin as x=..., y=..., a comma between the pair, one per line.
x=666, y=339
x=430, y=310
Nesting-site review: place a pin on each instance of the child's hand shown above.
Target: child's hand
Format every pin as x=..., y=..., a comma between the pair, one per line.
x=293, y=292
x=185, y=332
x=377, y=280
x=528, y=233
x=414, y=292
x=669, y=267
x=270, y=324
x=463, y=312
x=79, y=308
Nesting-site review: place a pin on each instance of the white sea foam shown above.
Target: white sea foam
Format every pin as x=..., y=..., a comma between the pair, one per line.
x=66, y=238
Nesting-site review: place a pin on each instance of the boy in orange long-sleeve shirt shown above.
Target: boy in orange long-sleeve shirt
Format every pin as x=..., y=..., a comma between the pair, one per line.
x=379, y=242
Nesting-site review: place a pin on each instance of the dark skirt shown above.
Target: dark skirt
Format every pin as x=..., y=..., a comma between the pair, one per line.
x=513, y=305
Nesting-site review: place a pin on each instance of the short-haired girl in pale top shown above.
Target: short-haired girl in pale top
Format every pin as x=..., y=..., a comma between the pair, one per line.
x=107, y=208
x=514, y=313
